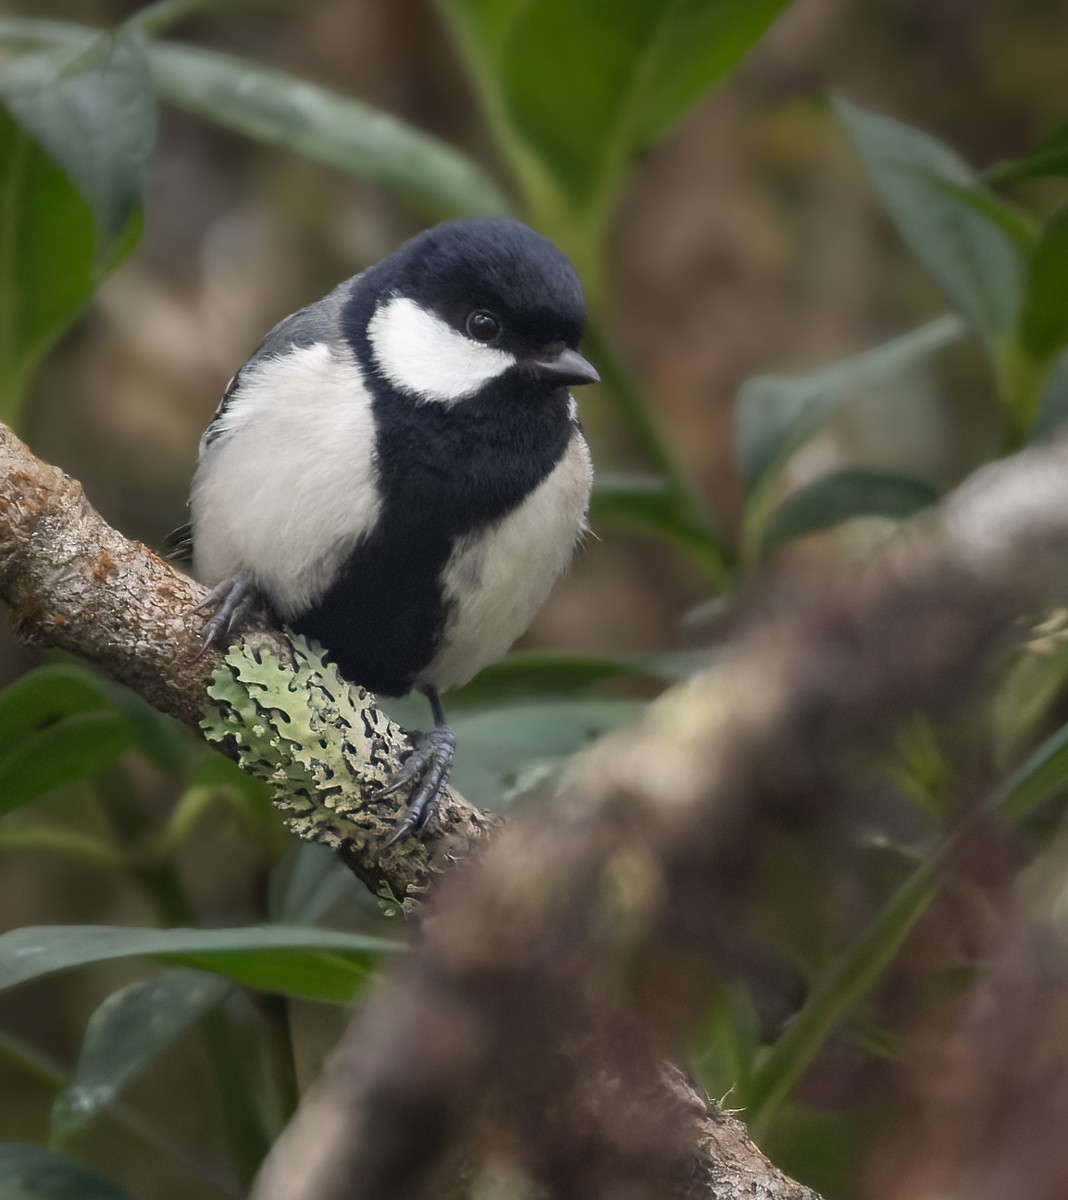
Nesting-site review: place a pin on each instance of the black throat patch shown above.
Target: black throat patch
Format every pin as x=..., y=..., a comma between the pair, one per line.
x=444, y=472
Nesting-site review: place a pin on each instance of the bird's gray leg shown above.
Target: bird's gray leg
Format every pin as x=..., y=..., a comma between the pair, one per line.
x=425, y=770
x=234, y=600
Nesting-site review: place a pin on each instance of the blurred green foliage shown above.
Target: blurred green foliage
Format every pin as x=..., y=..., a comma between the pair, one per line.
x=572, y=92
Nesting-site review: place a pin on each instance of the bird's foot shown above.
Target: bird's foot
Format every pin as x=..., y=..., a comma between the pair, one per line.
x=232, y=603
x=426, y=772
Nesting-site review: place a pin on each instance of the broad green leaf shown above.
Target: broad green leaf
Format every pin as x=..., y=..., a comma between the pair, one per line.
x=72, y=748
x=126, y=1034
x=650, y=504
x=969, y=255
x=33, y=1173
x=776, y=414
x=281, y=110
x=1049, y=157
x=498, y=748
x=43, y=696
x=1017, y=224
x=593, y=82
x=60, y=722
x=527, y=673
x=482, y=25
x=501, y=750
x=92, y=109
x=1044, y=320
x=840, y=495
x=316, y=964
x=46, y=258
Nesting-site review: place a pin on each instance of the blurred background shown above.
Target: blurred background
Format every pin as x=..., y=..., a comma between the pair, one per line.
x=749, y=240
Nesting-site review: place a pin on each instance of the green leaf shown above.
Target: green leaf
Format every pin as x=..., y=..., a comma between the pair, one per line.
x=483, y=24
x=497, y=748
x=593, y=82
x=72, y=748
x=776, y=414
x=1019, y=226
x=61, y=722
x=33, y=1173
x=1044, y=320
x=527, y=673
x=1049, y=157
x=500, y=750
x=46, y=258
x=92, y=109
x=125, y=1035
x=840, y=495
x=316, y=964
x=281, y=110
x=651, y=504
x=968, y=254
x=285, y=111
x=43, y=696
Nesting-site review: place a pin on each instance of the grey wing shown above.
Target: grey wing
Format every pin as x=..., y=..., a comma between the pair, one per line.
x=178, y=545
x=319, y=322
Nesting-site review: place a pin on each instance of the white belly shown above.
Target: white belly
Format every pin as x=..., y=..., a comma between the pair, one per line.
x=499, y=578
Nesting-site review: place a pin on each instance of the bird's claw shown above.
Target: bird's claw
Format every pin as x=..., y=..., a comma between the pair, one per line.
x=426, y=771
x=234, y=601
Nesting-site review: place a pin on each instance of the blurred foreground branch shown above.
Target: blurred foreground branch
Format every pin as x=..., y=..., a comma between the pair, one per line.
x=557, y=970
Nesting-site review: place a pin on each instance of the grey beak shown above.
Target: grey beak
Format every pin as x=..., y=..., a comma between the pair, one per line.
x=567, y=368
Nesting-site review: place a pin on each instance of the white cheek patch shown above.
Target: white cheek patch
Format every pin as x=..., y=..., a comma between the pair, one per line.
x=422, y=355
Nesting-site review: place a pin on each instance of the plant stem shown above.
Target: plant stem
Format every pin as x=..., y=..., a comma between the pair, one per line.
x=63, y=841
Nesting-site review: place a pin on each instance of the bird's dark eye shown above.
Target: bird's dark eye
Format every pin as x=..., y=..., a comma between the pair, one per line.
x=482, y=325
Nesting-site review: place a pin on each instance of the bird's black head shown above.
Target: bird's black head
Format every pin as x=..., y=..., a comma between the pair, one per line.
x=466, y=303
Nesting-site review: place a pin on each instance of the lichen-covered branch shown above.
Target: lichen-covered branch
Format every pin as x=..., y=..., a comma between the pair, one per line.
x=73, y=581
x=545, y=989
x=325, y=748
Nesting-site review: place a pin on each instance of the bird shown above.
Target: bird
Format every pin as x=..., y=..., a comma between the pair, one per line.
x=399, y=472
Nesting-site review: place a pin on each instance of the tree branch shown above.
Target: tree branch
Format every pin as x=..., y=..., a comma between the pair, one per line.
x=74, y=582
x=529, y=1025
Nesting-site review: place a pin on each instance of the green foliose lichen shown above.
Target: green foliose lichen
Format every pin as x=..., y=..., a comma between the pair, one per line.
x=319, y=741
